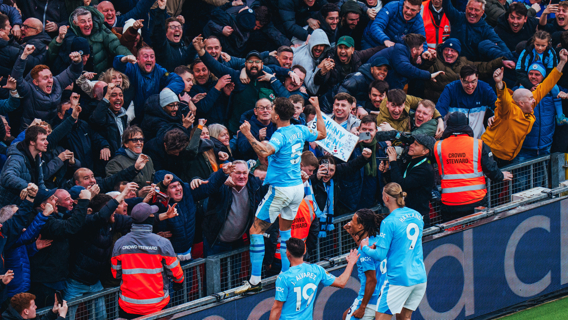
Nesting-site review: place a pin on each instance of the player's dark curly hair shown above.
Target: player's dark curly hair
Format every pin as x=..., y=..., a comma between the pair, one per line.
x=371, y=222
x=284, y=108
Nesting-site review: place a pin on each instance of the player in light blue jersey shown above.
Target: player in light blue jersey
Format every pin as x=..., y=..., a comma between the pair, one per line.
x=296, y=288
x=400, y=242
x=365, y=223
x=286, y=190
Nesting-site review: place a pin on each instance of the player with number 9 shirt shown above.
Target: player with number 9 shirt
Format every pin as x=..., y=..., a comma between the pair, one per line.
x=296, y=288
x=400, y=242
x=286, y=190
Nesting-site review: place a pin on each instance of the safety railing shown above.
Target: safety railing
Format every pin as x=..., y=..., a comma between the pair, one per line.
x=221, y=273
x=104, y=305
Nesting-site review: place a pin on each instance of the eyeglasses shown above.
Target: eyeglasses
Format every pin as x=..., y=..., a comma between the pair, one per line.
x=264, y=108
x=28, y=27
x=254, y=61
x=175, y=27
x=135, y=140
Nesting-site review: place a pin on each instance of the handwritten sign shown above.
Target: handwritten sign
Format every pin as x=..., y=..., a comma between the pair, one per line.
x=339, y=142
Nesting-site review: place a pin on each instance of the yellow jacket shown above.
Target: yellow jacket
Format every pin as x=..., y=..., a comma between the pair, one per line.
x=511, y=126
x=401, y=124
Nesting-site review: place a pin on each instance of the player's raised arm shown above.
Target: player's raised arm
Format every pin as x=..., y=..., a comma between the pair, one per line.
x=276, y=310
x=341, y=281
x=314, y=101
x=261, y=149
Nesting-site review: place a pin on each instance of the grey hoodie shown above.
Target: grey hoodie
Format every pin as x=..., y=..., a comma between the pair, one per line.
x=303, y=56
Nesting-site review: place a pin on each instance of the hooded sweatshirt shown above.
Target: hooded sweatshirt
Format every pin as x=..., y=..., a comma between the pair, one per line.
x=304, y=56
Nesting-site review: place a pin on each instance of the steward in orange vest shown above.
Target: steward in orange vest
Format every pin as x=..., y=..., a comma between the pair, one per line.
x=436, y=24
x=463, y=163
x=143, y=260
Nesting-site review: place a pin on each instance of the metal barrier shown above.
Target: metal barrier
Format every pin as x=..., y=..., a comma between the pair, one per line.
x=211, y=279
x=86, y=307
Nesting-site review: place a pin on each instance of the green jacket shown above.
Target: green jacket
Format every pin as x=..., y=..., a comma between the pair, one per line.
x=429, y=128
x=104, y=44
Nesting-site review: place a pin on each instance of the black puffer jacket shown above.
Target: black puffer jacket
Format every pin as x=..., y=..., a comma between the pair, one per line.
x=9, y=53
x=337, y=74
x=512, y=39
x=102, y=120
x=157, y=120
x=52, y=263
x=295, y=15
x=40, y=41
x=94, y=244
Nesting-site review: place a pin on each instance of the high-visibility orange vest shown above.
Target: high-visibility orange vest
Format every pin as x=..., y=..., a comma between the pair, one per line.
x=301, y=224
x=435, y=34
x=459, y=164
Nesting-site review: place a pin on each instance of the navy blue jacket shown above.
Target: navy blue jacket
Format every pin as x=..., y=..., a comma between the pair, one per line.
x=16, y=257
x=391, y=25
x=140, y=11
x=219, y=205
x=16, y=175
x=157, y=120
x=542, y=130
x=182, y=227
x=402, y=67
x=94, y=244
x=470, y=35
x=214, y=106
x=246, y=151
x=356, y=84
x=85, y=143
x=295, y=15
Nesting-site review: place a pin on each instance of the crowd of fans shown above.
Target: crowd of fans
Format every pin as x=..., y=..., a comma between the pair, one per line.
x=108, y=105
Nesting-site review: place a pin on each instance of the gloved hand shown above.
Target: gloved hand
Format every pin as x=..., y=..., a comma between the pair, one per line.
x=322, y=234
x=178, y=286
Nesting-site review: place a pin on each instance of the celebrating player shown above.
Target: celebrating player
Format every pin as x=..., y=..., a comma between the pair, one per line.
x=365, y=223
x=400, y=242
x=297, y=287
x=283, y=175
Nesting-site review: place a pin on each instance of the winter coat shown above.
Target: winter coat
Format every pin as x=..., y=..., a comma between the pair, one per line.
x=200, y=167
x=103, y=121
x=540, y=136
x=169, y=54
x=147, y=84
x=140, y=11
x=511, y=39
x=41, y=41
x=122, y=161
x=470, y=35
x=16, y=175
x=12, y=314
x=17, y=257
x=246, y=151
x=157, y=120
x=335, y=76
x=244, y=96
x=182, y=226
x=85, y=143
x=402, y=68
x=52, y=263
x=95, y=242
x=416, y=181
x=236, y=43
x=390, y=25
x=403, y=123
x=295, y=15
x=104, y=44
x=219, y=205
x=44, y=10
x=35, y=102
x=163, y=161
x=214, y=106
x=548, y=59
x=10, y=51
x=511, y=126
x=303, y=56
x=474, y=105
x=494, y=10
x=433, y=90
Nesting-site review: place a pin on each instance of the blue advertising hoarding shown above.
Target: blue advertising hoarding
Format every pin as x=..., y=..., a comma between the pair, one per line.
x=471, y=273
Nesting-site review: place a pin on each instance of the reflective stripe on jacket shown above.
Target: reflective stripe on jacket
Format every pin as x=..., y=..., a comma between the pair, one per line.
x=435, y=34
x=459, y=164
x=301, y=224
x=144, y=261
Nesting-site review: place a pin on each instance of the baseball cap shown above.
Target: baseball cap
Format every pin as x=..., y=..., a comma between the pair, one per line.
x=380, y=61
x=42, y=195
x=253, y=53
x=347, y=41
x=142, y=211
